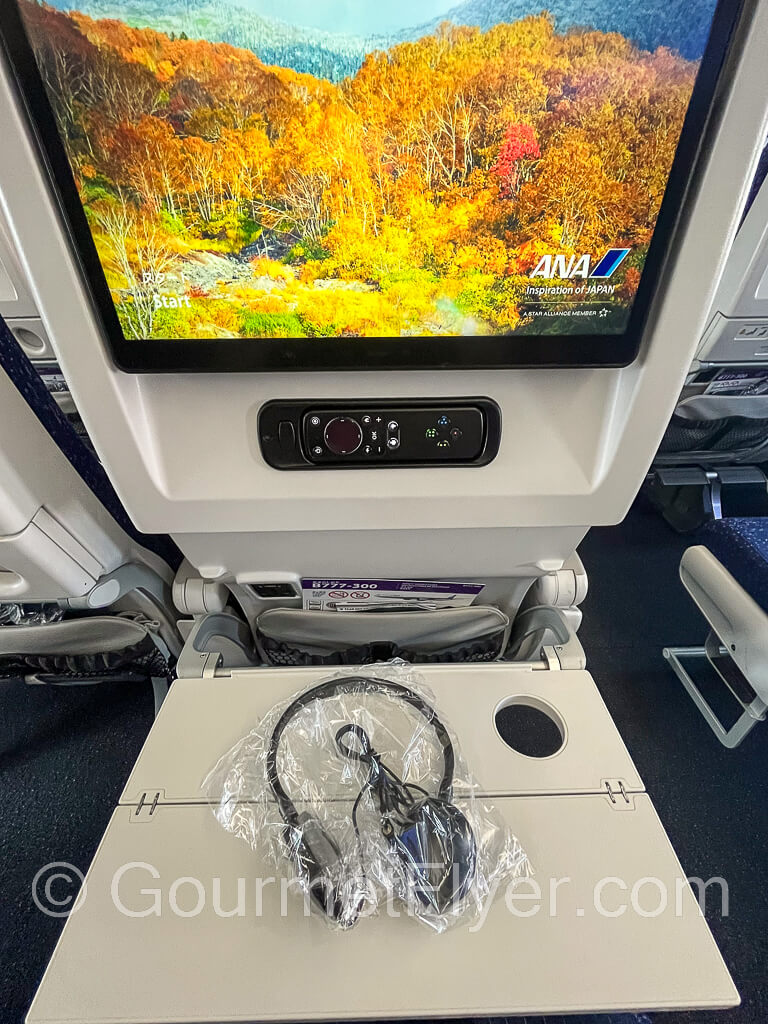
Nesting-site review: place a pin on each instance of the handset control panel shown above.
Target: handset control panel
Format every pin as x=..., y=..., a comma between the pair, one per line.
x=376, y=434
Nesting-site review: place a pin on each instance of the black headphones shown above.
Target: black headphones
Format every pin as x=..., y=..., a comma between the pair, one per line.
x=430, y=837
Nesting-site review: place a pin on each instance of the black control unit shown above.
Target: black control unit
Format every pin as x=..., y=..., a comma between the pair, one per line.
x=379, y=434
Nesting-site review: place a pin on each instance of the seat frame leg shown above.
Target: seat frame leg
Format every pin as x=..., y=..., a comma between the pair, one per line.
x=753, y=712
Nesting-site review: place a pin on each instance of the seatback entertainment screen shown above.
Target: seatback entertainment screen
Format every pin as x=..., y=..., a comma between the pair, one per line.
x=367, y=183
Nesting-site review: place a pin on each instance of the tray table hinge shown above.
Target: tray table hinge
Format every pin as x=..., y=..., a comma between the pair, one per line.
x=549, y=654
x=147, y=805
x=616, y=791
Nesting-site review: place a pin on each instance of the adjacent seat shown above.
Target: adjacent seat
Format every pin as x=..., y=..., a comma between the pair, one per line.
x=65, y=538
x=727, y=576
x=741, y=545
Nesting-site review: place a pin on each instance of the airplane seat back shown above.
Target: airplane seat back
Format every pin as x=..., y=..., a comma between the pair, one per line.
x=64, y=537
x=284, y=447
x=198, y=455
x=709, y=462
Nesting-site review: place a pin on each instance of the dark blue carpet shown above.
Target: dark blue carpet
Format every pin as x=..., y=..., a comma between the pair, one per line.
x=712, y=801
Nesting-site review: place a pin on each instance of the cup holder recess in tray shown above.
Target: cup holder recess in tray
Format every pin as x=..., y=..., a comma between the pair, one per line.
x=530, y=726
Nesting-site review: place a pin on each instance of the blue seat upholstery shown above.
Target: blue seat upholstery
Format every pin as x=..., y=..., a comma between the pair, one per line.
x=742, y=547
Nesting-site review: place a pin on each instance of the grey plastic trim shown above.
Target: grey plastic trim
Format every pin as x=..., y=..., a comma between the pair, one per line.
x=718, y=407
x=218, y=639
x=92, y=635
x=544, y=632
x=430, y=630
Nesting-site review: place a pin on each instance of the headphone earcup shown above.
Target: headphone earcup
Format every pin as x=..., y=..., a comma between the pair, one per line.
x=317, y=860
x=438, y=854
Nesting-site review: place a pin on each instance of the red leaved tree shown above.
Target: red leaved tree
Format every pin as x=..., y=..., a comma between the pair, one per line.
x=518, y=146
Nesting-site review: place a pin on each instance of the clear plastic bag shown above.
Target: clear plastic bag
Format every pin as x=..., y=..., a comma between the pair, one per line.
x=357, y=788
x=30, y=614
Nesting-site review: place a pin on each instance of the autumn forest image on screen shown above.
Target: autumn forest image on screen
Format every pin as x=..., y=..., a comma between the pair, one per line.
x=255, y=169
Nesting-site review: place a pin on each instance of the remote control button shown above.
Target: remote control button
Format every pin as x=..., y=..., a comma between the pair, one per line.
x=443, y=421
x=286, y=435
x=365, y=419
x=314, y=421
x=392, y=426
x=343, y=435
x=455, y=434
x=393, y=443
x=317, y=450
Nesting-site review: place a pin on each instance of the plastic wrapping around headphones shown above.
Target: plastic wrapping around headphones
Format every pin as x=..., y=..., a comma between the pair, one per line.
x=356, y=792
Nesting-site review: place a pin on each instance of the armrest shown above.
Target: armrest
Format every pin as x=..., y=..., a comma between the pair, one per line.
x=735, y=617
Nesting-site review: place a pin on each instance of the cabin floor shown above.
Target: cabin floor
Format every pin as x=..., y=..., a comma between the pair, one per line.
x=66, y=753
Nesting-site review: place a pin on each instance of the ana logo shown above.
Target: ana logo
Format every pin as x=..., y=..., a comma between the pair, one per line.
x=565, y=267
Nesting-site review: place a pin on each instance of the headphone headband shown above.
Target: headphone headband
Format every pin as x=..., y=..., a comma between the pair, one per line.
x=351, y=685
